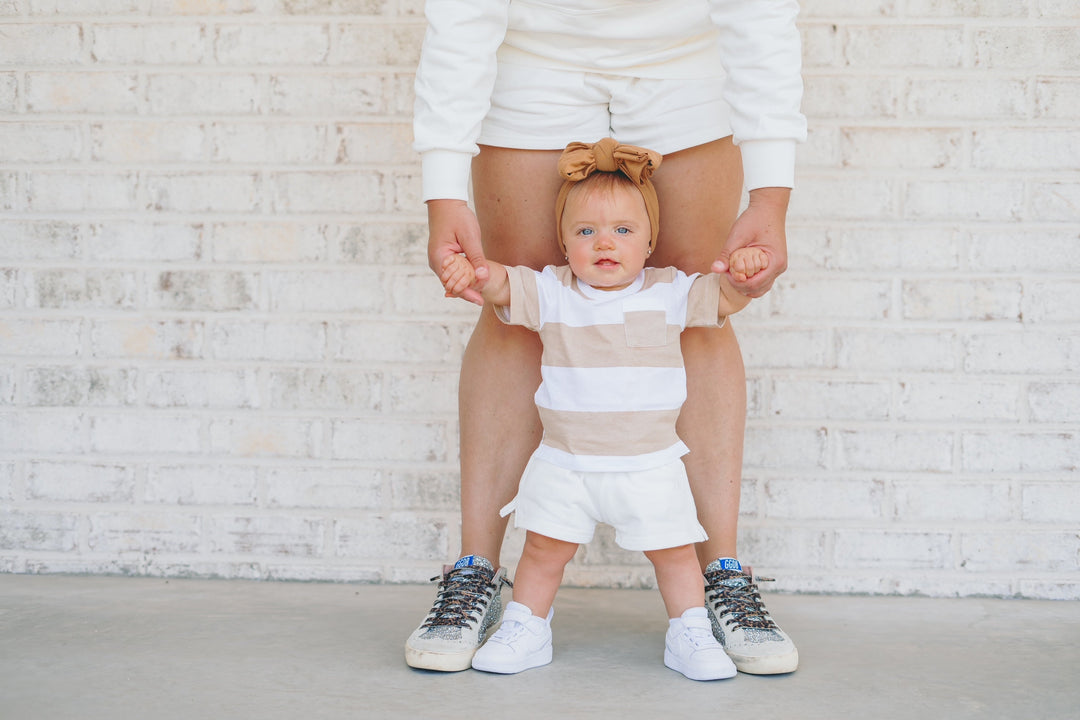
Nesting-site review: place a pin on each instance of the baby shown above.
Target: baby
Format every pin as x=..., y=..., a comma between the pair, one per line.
x=612, y=387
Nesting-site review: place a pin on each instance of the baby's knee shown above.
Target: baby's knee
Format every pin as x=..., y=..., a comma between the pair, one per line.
x=681, y=555
x=542, y=546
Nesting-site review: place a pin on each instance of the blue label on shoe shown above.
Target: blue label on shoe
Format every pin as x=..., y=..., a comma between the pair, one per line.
x=466, y=561
x=730, y=564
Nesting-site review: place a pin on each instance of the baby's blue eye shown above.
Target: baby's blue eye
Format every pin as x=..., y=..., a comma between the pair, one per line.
x=586, y=231
x=622, y=230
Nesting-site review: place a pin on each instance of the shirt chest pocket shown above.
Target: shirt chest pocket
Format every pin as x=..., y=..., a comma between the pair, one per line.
x=646, y=324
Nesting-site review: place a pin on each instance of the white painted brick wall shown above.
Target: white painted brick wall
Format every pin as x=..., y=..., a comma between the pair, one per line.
x=221, y=353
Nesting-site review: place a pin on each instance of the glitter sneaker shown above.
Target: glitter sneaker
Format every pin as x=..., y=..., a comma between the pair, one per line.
x=523, y=641
x=691, y=649
x=742, y=624
x=468, y=604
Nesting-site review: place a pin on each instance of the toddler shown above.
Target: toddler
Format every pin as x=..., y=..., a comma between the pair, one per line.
x=611, y=390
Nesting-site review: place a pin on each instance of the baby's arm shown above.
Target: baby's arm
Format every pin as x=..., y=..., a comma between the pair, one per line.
x=458, y=274
x=743, y=263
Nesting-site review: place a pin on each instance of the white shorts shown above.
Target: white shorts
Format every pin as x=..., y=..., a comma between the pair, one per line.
x=649, y=509
x=543, y=109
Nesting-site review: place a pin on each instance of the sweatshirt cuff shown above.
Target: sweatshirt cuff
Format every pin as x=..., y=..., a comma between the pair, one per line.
x=445, y=175
x=768, y=163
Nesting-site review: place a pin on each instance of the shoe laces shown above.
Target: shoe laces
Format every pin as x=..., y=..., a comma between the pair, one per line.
x=699, y=637
x=509, y=631
x=462, y=597
x=738, y=599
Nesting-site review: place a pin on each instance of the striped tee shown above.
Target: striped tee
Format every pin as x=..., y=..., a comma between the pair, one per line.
x=612, y=377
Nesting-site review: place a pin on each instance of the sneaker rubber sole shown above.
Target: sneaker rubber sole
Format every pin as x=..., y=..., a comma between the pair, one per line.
x=439, y=661
x=767, y=664
x=673, y=662
x=534, y=660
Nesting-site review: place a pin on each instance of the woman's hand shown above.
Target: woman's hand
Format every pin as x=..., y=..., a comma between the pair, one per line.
x=453, y=230
x=761, y=225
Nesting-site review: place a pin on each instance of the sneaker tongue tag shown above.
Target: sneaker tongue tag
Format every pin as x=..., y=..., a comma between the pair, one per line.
x=724, y=564
x=473, y=561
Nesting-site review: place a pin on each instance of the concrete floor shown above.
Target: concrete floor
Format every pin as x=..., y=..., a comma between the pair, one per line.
x=95, y=647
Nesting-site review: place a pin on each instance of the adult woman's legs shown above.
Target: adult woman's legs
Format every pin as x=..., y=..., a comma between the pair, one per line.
x=514, y=196
x=499, y=427
x=699, y=190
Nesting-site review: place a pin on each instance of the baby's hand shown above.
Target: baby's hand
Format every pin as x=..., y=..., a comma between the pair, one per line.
x=457, y=275
x=747, y=262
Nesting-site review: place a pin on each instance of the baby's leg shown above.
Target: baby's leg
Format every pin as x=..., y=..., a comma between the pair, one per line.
x=540, y=571
x=523, y=640
x=679, y=577
x=689, y=645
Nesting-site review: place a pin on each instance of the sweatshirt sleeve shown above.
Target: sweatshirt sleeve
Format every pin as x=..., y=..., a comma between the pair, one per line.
x=762, y=55
x=453, y=89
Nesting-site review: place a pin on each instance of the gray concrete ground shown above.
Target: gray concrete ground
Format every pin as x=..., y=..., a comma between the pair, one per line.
x=96, y=647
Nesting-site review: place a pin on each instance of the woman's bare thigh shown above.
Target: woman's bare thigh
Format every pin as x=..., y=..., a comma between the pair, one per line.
x=514, y=195
x=699, y=190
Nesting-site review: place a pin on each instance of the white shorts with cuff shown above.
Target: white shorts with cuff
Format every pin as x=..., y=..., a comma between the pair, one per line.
x=535, y=108
x=649, y=509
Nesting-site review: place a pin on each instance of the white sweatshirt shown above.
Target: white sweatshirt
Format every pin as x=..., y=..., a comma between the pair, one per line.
x=755, y=43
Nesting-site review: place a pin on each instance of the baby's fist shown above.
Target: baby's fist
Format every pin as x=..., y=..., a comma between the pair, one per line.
x=747, y=262
x=457, y=275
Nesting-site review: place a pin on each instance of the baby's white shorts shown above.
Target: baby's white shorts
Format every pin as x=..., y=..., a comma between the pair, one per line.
x=535, y=108
x=649, y=509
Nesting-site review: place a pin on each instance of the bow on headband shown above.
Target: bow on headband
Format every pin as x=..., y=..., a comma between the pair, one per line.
x=579, y=160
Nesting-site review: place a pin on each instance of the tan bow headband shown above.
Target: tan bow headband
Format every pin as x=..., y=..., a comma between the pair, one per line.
x=579, y=160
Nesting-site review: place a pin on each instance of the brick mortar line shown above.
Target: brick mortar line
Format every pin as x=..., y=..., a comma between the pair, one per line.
x=214, y=167
x=157, y=462
x=200, y=218
x=257, y=509
x=207, y=69
x=251, y=18
x=914, y=426
x=268, y=463
x=893, y=477
x=27, y=362
x=338, y=318
x=958, y=124
x=831, y=426
x=276, y=267
x=956, y=329
x=392, y=17
x=317, y=512
x=197, y=217
x=959, y=176
x=327, y=415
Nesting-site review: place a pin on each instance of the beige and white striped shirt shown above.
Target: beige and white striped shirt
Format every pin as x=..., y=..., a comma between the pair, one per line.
x=612, y=372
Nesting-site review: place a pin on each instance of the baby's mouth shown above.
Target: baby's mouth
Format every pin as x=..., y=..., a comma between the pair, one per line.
x=606, y=262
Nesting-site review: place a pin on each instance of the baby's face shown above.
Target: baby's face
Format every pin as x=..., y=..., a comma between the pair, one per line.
x=607, y=236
